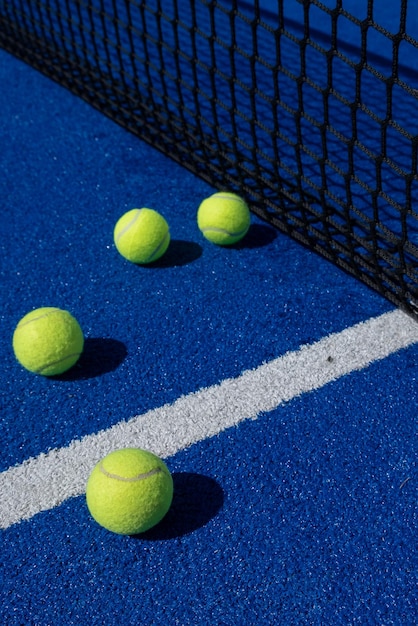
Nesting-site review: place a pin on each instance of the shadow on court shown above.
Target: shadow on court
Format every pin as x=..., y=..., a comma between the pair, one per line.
x=179, y=253
x=197, y=499
x=258, y=236
x=100, y=356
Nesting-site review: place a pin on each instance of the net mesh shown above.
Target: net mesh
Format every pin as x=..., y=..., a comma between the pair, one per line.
x=306, y=107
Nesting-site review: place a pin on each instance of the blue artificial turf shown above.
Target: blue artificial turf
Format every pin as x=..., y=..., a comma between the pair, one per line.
x=304, y=516
x=199, y=315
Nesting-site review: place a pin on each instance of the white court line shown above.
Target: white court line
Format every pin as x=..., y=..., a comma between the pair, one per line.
x=43, y=482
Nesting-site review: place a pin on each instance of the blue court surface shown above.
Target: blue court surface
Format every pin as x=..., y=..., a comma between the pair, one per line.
x=281, y=393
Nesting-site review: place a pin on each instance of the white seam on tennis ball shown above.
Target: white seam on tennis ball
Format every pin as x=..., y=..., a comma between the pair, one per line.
x=214, y=229
x=39, y=317
x=132, y=479
x=65, y=358
x=160, y=245
x=229, y=196
x=129, y=224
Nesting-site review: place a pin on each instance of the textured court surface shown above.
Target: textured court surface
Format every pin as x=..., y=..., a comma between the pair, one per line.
x=301, y=511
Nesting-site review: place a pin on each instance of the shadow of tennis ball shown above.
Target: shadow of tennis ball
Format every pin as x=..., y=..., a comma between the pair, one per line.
x=258, y=236
x=179, y=253
x=100, y=355
x=196, y=500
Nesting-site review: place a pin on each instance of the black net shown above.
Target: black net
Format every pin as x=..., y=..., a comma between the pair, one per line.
x=306, y=108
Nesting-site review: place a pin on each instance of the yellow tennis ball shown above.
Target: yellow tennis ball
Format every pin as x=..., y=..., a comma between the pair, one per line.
x=129, y=491
x=48, y=341
x=142, y=235
x=224, y=218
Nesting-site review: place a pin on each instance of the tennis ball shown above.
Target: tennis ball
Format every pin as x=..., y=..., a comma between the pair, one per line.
x=129, y=491
x=48, y=341
x=223, y=218
x=141, y=235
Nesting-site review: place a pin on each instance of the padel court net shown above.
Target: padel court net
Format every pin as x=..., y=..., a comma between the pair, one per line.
x=308, y=109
